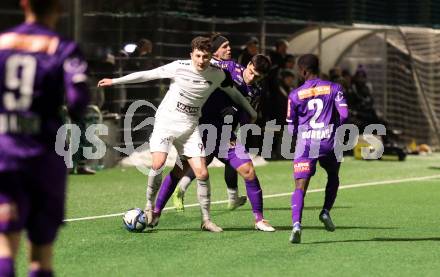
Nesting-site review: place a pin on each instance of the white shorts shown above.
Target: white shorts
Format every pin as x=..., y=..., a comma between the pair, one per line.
x=184, y=136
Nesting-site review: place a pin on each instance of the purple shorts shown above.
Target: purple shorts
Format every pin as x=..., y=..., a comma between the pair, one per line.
x=32, y=198
x=236, y=155
x=305, y=167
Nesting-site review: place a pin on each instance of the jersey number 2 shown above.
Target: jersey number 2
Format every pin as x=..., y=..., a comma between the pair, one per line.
x=23, y=83
x=311, y=106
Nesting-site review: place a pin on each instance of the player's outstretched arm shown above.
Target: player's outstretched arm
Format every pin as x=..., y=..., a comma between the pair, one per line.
x=166, y=71
x=238, y=98
x=106, y=82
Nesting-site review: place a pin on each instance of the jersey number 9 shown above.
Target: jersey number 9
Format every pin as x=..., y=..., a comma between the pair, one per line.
x=23, y=83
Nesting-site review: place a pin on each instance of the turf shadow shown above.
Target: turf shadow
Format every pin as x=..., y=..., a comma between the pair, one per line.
x=379, y=240
x=225, y=229
x=284, y=228
x=317, y=208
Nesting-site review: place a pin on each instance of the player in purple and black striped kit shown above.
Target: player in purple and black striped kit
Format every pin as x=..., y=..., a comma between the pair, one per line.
x=213, y=112
x=36, y=66
x=315, y=110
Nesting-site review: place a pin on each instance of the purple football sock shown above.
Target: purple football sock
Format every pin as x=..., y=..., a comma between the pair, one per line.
x=6, y=267
x=255, y=195
x=41, y=273
x=297, y=205
x=166, y=190
x=331, y=191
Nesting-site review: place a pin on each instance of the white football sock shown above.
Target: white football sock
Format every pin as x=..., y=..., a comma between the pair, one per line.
x=204, y=196
x=184, y=183
x=233, y=194
x=153, y=185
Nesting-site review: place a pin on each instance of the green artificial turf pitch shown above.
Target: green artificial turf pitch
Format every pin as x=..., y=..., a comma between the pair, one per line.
x=383, y=228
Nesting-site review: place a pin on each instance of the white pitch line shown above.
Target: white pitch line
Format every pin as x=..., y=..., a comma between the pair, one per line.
x=369, y=184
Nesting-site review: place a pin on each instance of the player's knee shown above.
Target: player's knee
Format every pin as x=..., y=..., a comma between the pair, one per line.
x=157, y=165
x=301, y=184
x=247, y=171
x=201, y=174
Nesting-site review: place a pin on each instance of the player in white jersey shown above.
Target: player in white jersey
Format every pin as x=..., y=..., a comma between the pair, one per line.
x=192, y=82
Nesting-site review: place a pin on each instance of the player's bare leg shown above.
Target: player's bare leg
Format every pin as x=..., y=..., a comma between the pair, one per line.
x=255, y=195
x=40, y=257
x=9, y=244
x=297, y=201
x=198, y=165
x=153, y=183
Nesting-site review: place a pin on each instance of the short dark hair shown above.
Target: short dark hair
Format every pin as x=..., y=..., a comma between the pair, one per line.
x=43, y=7
x=262, y=63
x=201, y=43
x=281, y=42
x=309, y=62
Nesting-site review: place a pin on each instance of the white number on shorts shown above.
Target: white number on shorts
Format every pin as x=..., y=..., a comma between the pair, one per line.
x=23, y=82
x=311, y=106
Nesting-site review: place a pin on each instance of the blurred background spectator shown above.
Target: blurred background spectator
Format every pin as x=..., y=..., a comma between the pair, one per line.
x=250, y=49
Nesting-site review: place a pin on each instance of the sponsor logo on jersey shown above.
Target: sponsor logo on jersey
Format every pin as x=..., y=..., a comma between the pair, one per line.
x=201, y=82
x=324, y=133
x=29, y=43
x=312, y=92
x=187, y=109
x=301, y=167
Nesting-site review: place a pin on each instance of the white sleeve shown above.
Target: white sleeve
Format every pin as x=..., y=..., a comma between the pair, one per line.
x=166, y=71
x=238, y=98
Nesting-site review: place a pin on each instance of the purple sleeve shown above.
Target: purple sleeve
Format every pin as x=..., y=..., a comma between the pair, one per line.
x=291, y=118
x=341, y=104
x=77, y=93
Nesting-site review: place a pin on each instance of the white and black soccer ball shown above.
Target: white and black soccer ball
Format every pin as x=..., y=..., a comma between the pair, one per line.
x=134, y=220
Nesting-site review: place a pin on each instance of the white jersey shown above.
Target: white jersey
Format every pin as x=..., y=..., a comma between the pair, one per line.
x=188, y=91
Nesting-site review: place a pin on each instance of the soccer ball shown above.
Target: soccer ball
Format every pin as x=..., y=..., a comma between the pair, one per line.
x=134, y=220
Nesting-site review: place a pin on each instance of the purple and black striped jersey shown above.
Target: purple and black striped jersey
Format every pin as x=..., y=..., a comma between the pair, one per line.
x=219, y=101
x=39, y=71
